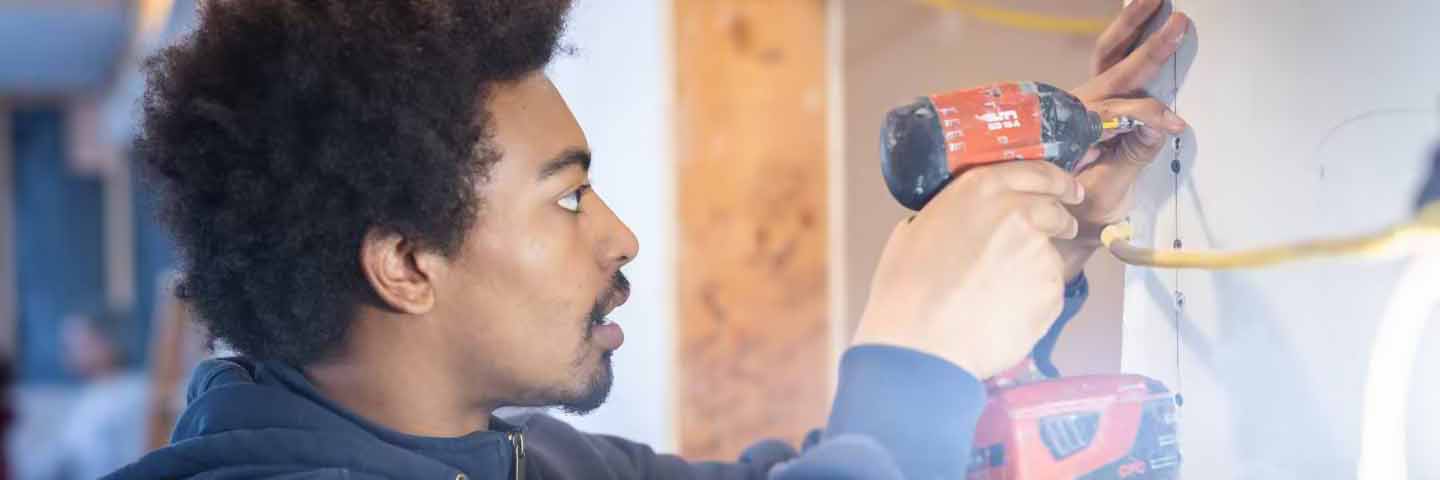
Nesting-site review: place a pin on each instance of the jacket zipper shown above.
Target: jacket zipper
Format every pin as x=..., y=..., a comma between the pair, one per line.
x=517, y=441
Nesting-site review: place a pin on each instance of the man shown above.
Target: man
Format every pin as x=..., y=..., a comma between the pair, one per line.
x=384, y=207
x=101, y=432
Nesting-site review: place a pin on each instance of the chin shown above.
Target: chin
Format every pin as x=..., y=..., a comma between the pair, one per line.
x=593, y=392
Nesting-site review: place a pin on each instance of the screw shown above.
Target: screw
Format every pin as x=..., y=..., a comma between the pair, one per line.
x=1177, y=244
x=1179, y=400
x=1175, y=167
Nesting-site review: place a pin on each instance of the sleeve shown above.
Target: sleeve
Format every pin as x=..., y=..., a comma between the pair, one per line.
x=918, y=409
x=896, y=410
x=898, y=414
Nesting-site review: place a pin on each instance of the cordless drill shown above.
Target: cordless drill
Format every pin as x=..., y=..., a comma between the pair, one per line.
x=1036, y=424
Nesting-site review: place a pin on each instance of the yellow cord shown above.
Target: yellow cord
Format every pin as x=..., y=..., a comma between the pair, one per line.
x=1024, y=20
x=1392, y=241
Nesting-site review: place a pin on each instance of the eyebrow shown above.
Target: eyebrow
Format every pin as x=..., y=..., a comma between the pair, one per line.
x=571, y=157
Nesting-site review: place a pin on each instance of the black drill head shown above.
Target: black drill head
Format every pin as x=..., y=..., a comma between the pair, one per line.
x=1430, y=192
x=912, y=153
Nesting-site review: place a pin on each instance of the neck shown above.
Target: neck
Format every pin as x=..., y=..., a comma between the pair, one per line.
x=390, y=379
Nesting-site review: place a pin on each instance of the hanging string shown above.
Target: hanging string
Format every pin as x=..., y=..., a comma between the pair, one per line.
x=1175, y=169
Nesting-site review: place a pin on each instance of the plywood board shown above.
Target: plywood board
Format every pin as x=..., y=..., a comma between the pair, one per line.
x=754, y=340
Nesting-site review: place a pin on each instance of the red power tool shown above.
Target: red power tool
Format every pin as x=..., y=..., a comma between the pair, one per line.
x=1036, y=424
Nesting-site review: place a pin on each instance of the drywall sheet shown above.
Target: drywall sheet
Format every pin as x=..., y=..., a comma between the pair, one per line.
x=1309, y=118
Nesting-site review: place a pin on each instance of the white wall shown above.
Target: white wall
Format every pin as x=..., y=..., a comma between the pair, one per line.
x=619, y=86
x=1272, y=363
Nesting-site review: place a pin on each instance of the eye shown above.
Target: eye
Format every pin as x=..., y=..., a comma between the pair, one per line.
x=571, y=201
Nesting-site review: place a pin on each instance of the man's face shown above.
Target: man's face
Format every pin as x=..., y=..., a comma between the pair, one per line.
x=524, y=301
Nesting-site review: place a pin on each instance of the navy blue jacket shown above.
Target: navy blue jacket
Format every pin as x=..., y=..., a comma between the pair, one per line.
x=898, y=413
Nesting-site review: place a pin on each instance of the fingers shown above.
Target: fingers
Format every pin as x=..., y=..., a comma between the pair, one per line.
x=1139, y=148
x=1140, y=67
x=1114, y=183
x=1117, y=39
x=1030, y=177
x=1091, y=156
x=1147, y=110
x=1048, y=216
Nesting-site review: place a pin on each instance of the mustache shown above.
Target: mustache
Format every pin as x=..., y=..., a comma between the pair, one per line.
x=619, y=285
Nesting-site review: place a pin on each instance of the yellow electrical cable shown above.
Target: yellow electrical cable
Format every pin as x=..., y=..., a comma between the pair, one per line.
x=1023, y=20
x=1391, y=241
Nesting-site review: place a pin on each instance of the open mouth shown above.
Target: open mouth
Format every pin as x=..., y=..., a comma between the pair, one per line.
x=616, y=297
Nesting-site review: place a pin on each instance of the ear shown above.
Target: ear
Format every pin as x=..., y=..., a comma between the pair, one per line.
x=399, y=272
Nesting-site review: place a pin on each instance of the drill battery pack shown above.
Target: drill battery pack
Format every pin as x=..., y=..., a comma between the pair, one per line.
x=1098, y=427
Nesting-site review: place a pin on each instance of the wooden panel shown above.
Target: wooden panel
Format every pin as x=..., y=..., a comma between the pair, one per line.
x=754, y=343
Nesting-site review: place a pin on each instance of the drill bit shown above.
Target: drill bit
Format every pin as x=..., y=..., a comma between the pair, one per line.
x=1121, y=124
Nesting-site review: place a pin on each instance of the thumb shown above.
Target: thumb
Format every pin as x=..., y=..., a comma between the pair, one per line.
x=1150, y=137
x=1140, y=147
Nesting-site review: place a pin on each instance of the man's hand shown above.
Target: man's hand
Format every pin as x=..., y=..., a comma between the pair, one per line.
x=975, y=278
x=1117, y=88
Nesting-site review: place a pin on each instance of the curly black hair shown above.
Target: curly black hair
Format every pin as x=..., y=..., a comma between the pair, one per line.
x=280, y=131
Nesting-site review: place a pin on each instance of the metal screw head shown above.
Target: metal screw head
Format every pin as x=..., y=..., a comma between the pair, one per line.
x=1177, y=244
x=1175, y=167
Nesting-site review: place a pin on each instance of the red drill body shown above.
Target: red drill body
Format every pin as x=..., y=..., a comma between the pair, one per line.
x=928, y=142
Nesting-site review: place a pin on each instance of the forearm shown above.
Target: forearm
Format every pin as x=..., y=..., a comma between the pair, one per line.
x=912, y=404
x=898, y=413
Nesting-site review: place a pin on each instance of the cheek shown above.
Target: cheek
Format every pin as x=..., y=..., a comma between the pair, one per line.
x=539, y=275
x=549, y=293
x=559, y=285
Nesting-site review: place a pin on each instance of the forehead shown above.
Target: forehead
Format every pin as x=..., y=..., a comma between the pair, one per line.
x=531, y=123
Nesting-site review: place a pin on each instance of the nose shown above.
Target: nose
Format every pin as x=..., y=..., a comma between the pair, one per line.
x=627, y=245
x=618, y=245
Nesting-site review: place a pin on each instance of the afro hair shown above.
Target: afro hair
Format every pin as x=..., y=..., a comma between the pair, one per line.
x=280, y=132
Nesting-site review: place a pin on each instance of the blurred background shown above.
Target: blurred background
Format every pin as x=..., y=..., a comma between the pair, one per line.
x=93, y=335
x=738, y=139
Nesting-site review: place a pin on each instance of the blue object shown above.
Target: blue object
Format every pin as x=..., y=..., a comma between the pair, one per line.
x=1430, y=190
x=59, y=253
x=60, y=50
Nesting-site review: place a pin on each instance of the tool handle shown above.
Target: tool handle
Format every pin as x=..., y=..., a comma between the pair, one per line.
x=1075, y=294
x=1039, y=366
